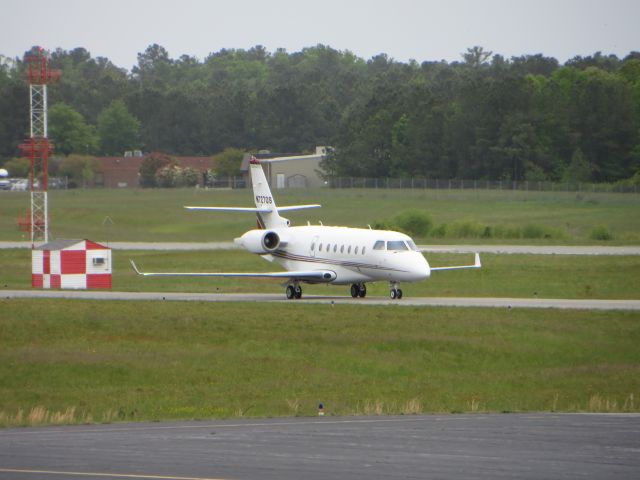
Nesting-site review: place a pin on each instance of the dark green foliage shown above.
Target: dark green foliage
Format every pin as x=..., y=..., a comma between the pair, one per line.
x=118, y=129
x=69, y=132
x=600, y=232
x=488, y=117
x=414, y=222
x=18, y=167
x=419, y=224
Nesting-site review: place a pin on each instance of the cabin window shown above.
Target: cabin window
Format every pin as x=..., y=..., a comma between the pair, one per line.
x=320, y=247
x=313, y=247
x=356, y=251
x=335, y=248
x=379, y=245
x=349, y=249
x=342, y=249
x=363, y=249
x=396, y=245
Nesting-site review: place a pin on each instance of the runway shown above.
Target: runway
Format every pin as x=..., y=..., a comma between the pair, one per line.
x=525, y=446
x=498, y=249
x=333, y=300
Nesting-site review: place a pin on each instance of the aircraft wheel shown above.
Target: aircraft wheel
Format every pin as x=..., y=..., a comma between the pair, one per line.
x=393, y=293
x=399, y=294
x=290, y=292
x=297, y=291
x=355, y=290
x=362, y=291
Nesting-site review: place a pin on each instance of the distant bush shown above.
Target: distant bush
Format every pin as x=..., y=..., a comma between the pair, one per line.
x=466, y=230
x=600, y=232
x=416, y=223
x=420, y=224
x=439, y=231
x=383, y=225
x=506, y=231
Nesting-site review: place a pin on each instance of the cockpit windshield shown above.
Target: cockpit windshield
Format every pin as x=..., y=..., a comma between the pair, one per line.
x=412, y=246
x=397, y=245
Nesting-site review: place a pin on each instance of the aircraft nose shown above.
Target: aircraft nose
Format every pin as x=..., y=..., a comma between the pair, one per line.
x=420, y=269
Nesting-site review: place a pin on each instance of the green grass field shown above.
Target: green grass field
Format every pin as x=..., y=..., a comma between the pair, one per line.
x=157, y=215
x=528, y=276
x=64, y=361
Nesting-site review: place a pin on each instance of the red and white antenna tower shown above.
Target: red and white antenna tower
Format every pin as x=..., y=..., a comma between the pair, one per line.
x=37, y=147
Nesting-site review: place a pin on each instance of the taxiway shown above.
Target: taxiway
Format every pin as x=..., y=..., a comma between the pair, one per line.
x=524, y=446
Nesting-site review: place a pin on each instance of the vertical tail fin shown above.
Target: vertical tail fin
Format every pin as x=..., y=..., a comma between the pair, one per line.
x=264, y=199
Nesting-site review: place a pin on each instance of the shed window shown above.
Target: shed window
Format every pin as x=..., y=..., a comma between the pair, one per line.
x=99, y=261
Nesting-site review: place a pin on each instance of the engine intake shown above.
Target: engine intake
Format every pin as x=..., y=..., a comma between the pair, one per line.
x=270, y=241
x=260, y=241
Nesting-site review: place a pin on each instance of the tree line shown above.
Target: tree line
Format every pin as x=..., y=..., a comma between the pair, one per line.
x=483, y=117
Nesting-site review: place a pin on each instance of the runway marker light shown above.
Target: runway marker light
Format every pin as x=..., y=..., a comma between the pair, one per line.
x=321, y=410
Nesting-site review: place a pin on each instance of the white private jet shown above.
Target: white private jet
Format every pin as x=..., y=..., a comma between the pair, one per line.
x=318, y=254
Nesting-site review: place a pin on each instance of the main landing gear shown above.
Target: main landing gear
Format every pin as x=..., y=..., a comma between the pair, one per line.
x=293, y=291
x=394, y=292
x=358, y=290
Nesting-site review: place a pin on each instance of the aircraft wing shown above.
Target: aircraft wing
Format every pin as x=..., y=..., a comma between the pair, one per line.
x=309, y=275
x=476, y=264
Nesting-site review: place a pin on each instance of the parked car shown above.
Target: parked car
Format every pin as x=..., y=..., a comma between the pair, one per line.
x=20, y=185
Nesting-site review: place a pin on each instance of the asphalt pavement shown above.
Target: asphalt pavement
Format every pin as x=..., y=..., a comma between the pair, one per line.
x=506, y=249
x=523, y=446
x=333, y=300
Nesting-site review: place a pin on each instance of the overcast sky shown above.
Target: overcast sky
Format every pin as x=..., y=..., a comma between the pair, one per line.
x=403, y=29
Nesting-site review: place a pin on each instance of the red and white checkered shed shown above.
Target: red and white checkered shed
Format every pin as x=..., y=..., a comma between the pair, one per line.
x=74, y=264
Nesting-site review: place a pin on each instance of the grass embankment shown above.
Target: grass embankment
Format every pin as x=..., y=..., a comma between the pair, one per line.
x=459, y=215
x=527, y=276
x=65, y=361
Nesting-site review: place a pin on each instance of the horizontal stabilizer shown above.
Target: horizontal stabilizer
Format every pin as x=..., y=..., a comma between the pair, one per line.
x=297, y=207
x=253, y=209
x=476, y=264
x=231, y=209
x=308, y=275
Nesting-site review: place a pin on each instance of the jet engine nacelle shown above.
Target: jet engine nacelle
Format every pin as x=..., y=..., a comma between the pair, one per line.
x=261, y=241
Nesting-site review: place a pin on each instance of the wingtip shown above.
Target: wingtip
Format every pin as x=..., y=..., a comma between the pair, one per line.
x=135, y=268
x=477, y=263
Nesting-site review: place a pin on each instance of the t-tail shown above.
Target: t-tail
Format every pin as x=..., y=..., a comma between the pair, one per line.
x=267, y=212
x=266, y=209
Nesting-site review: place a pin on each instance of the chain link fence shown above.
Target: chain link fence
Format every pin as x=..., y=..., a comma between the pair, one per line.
x=437, y=184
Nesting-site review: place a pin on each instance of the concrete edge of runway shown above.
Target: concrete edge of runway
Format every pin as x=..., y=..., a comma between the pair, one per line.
x=588, y=250
x=483, y=302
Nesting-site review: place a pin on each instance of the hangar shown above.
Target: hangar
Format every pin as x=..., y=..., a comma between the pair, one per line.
x=288, y=171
